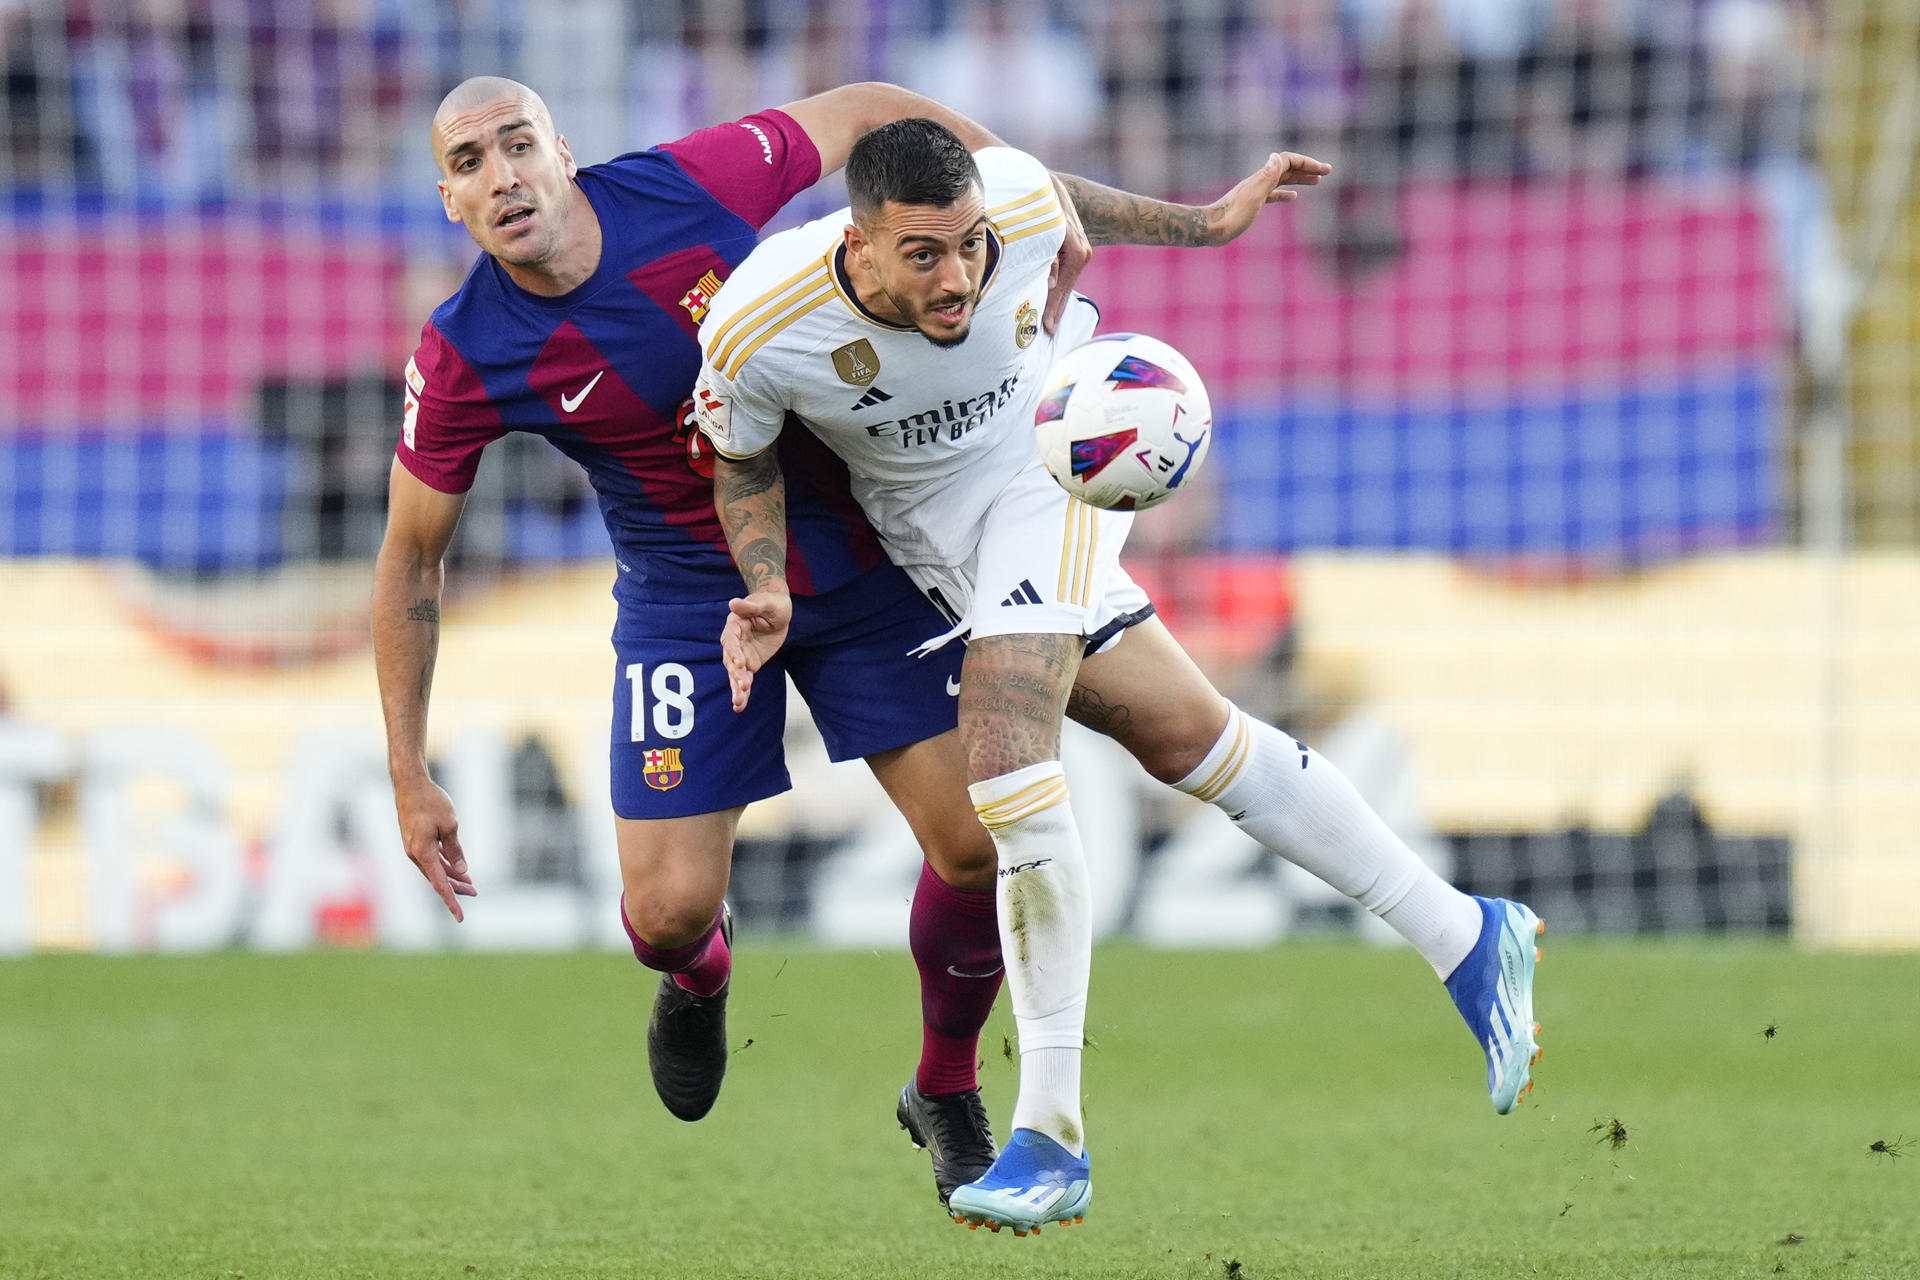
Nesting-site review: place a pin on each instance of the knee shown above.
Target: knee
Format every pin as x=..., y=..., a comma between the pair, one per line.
x=962, y=854
x=665, y=919
x=1175, y=750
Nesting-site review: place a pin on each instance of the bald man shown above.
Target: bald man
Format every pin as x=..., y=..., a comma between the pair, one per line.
x=578, y=323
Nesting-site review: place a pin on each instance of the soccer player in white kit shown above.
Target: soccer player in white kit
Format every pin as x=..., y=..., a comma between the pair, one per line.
x=905, y=332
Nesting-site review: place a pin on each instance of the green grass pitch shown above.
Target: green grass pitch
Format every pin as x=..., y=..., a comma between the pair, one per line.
x=1311, y=1111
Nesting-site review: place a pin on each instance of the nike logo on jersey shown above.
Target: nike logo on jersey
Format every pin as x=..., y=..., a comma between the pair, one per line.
x=1022, y=594
x=873, y=397
x=953, y=691
x=568, y=403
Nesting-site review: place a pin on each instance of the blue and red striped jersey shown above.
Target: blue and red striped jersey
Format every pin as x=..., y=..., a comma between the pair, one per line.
x=605, y=371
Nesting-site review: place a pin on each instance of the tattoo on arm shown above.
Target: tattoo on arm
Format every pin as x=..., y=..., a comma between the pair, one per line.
x=1120, y=217
x=426, y=609
x=761, y=560
x=751, y=497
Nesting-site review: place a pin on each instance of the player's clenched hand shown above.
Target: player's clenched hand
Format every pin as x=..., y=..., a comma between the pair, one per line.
x=1272, y=183
x=1076, y=250
x=756, y=628
x=432, y=839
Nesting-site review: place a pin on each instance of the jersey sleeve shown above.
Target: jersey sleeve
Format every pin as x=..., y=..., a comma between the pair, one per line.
x=752, y=165
x=1022, y=205
x=739, y=416
x=446, y=417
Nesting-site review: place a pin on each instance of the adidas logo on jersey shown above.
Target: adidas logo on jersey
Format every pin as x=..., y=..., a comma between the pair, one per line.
x=1022, y=594
x=873, y=397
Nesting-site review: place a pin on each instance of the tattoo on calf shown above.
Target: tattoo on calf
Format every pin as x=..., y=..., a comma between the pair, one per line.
x=1012, y=699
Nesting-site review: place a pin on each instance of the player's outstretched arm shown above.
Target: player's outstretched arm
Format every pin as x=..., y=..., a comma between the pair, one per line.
x=1120, y=217
x=750, y=495
x=834, y=120
x=407, y=579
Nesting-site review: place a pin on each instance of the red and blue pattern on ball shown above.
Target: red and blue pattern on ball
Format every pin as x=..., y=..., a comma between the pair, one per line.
x=1133, y=373
x=1090, y=456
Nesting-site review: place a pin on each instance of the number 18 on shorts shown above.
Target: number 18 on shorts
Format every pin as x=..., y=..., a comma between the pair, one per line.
x=678, y=746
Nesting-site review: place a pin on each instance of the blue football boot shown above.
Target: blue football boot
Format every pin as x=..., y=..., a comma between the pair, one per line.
x=1493, y=989
x=1035, y=1181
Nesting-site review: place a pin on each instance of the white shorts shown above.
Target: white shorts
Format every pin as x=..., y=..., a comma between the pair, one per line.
x=1046, y=563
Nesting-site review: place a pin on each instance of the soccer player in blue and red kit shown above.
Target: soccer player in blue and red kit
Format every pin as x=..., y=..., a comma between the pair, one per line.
x=578, y=323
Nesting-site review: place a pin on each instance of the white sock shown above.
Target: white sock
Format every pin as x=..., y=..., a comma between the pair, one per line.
x=1293, y=801
x=1046, y=940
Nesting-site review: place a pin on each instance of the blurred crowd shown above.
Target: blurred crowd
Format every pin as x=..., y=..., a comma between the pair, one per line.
x=199, y=99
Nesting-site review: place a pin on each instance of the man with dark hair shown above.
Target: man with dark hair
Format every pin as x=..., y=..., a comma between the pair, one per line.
x=577, y=323
x=929, y=286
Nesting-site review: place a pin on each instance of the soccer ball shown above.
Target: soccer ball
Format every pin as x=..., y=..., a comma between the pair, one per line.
x=1123, y=422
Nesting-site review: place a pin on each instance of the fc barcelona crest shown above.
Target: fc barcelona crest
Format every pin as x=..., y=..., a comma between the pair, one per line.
x=663, y=770
x=697, y=299
x=857, y=363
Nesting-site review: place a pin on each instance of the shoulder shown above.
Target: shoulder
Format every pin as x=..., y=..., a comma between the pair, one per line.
x=1022, y=204
x=650, y=174
x=752, y=165
x=1008, y=172
x=785, y=281
x=464, y=316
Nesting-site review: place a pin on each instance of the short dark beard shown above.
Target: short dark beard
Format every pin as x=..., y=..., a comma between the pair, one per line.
x=948, y=342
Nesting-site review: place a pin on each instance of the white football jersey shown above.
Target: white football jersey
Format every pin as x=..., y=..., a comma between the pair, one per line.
x=930, y=434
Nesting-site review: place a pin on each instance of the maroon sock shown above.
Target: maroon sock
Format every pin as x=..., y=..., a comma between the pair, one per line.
x=701, y=966
x=956, y=942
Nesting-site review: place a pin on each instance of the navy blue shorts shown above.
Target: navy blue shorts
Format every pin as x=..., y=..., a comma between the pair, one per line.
x=678, y=746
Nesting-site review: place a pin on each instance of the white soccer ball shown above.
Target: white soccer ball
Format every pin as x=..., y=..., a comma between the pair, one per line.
x=1123, y=422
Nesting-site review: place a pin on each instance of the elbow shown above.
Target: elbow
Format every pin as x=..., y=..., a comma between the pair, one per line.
x=881, y=102
x=407, y=560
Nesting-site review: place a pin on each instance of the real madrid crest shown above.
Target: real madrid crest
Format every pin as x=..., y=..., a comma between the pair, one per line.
x=857, y=362
x=1026, y=323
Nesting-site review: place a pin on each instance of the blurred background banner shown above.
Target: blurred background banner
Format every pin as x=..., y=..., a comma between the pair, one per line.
x=1566, y=492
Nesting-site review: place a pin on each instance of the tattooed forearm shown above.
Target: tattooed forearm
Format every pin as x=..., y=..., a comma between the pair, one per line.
x=406, y=638
x=761, y=562
x=751, y=498
x=1120, y=217
x=737, y=481
x=426, y=609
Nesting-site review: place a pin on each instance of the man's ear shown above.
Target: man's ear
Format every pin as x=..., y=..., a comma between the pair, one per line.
x=855, y=238
x=446, y=202
x=566, y=154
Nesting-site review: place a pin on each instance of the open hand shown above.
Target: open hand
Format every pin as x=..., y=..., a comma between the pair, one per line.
x=431, y=836
x=1076, y=250
x=756, y=628
x=1272, y=183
